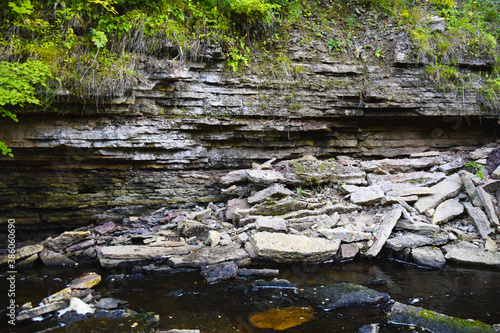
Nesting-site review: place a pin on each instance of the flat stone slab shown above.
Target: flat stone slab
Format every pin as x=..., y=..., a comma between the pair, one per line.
x=208, y=256
x=421, y=178
x=409, y=315
x=276, y=208
x=473, y=256
x=448, y=188
x=411, y=241
x=345, y=235
x=410, y=190
x=398, y=165
x=479, y=220
x=24, y=252
x=41, y=310
x=447, y=210
x=272, y=224
x=343, y=295
x=264, y=177
x=279, y=247
x=86, y=280
x=219, y=272
x=367, y=195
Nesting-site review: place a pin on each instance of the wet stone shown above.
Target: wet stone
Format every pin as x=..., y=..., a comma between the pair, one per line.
x=84, y=281
x=110, y=303
x=50, y=258
x=429, y=256
x=219, y=272
x=283, y=318
x=273, y=284
x=343, y=295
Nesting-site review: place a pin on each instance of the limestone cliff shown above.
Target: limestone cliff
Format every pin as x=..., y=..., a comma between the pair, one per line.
x=167, y=141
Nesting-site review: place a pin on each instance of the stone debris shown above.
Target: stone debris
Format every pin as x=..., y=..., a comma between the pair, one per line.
x=302, y=210
x=448, y=188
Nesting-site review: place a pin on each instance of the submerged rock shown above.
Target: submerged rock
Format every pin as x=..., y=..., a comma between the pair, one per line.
x=433, y=321
x=343, y=295
x=282, y=319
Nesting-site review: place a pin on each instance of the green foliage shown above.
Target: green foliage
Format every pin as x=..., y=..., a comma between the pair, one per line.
x=18, y=82
x=475, y=168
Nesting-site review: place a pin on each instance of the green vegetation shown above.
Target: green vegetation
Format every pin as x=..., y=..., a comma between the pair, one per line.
x=475, y=168
x=92, y=48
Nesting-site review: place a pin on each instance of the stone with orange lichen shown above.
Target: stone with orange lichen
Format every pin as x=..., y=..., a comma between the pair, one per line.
x=281, y=319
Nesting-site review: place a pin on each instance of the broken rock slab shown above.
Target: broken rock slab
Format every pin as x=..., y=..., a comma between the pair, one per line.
x=420, y=178
x=264, y=177
x=487, y=204
x=284, y=248
x=345, y=235
x=399, y=243
x=272, y=224
x=470, y=188
x=281, y=207
x=41, y=310
x=479, y=220
x=420, y=228
x=447, y=210
x=448, y=188
x=208, y=256
x=219, y=272
x=389, y=220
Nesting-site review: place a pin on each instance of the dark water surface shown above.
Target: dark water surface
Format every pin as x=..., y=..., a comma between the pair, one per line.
x=458, y=291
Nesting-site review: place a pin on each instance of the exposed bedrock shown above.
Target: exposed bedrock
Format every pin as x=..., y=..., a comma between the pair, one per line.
x=168, y=142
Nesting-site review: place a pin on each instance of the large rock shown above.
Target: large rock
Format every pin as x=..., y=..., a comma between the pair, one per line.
x=447, y=210
x=272, y=224
x=421, y=228
x=448, y=188
x=22, y=253
x=84, y=281
x=279, y=247
x=487, y=204
x=473, y=256
x=409, y=315
x=367, y=195
x=51, y=258
x=66, y=239
x=343, y=295
x=469, y=187
x=41, y=310
x=429, y=256
x=345, y=235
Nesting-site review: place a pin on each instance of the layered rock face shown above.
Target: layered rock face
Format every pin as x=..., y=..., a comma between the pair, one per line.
x=170, y=139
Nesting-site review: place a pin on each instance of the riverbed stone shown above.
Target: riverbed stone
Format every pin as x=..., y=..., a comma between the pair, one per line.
x=280, y=319
x=279, y=247
x=24, y=252
x=41, y=310
x=429, y=256
x=403, y=314
x=65, y=240
x=381, y=235
x=110, y=303
x=410, y=190
x=219, y=272
x=105, y=228
x=258, y=272
x=447, y=210
x=473, y=256
x=342, y=295
x=367, y=195
x=448, y=188
x=372, y=328
x=347, y=251
x=234, y=205
x=191, y=228
x=274, y=191
x=470, y=188
x=236, y=176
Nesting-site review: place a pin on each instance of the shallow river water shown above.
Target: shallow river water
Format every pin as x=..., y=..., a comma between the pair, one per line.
x=184, y=301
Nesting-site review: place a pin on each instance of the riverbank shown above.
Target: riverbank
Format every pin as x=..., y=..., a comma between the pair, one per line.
x=427, y=210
